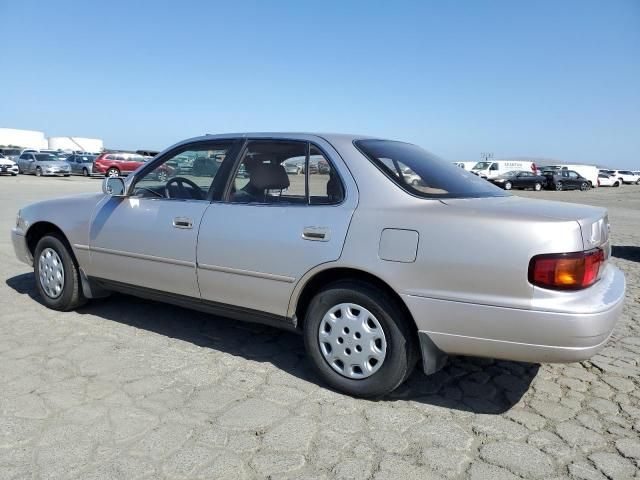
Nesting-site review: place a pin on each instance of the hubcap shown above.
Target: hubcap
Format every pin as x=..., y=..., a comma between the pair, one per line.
x=113, y=173
x=352, y=341
x=51, y=272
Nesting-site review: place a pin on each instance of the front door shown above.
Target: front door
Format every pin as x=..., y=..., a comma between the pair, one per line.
x=148, y=238
x=274, y=224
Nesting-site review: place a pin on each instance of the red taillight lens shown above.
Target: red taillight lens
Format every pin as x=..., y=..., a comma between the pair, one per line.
x=566, y=271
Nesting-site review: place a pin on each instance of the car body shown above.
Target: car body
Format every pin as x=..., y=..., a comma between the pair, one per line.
x=115, y=164
x=519, y=179
x=590, y=172
x=8, y=166
x=606, y=180
x=625, y=176
x=492, y=169
x=565, y=180
x=43, y=164
x=81, y=164
x=376, y=273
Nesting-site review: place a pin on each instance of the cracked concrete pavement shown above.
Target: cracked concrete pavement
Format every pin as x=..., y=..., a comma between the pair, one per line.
x=128, y=388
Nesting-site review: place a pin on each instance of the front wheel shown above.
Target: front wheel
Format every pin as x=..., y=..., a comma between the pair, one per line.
x=113, y=172
x=584, y=186
x=507, y=186
x=358, y=340
x=57, y=274
x=617, y=184
x=537, y=187
x=38, y=172
x=85, y=172
x=559, y=186
x=162, y=176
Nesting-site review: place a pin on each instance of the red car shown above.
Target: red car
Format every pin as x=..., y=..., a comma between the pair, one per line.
x=116, y=164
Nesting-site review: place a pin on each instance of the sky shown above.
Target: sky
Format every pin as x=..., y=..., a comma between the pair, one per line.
x=558, y=80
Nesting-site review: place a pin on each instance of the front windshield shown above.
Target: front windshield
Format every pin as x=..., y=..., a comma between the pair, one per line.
x=431, y=176
x=482, y=165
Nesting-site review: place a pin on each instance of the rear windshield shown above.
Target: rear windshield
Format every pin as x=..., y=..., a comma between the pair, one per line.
x=423, y=174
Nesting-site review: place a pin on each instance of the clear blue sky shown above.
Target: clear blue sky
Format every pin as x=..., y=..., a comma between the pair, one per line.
x=542, y=78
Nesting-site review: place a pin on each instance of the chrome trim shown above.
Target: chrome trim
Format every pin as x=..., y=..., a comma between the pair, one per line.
x=80, y=247
x=141, y=256
x=247, y=273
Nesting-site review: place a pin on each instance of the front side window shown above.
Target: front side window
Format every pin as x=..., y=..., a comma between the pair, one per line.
x=167, y=180
x=434, y=178
x=285, y=172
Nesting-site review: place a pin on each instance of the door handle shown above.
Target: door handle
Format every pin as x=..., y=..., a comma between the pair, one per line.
x=317, y=234
x=182, y=222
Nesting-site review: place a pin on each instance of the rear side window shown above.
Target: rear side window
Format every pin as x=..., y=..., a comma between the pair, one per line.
x=423, y=174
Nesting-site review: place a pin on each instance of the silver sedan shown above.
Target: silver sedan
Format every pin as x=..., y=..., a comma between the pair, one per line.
x=376, y=272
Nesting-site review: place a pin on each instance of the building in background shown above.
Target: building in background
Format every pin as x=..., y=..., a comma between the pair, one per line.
x=34, y=139
x=23, y=138
x=76, y=144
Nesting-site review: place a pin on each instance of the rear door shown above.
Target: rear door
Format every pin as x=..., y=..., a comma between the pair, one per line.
x=261, y=238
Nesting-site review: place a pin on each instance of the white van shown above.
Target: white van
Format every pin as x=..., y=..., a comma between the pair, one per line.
x=498, y=167
x=587, y=171
x=465, y=165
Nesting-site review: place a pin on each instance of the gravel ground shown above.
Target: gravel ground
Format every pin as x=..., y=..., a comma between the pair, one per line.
x=127, y=388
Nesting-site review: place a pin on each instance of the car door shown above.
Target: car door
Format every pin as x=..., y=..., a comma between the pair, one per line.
x=253, y=249
x=148, y=238
x=574, y=179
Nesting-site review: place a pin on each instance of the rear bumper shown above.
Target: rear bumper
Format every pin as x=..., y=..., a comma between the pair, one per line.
x=20, y=247
x=575, y=331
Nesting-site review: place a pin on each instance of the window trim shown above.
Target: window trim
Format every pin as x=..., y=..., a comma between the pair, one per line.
x=225, y=198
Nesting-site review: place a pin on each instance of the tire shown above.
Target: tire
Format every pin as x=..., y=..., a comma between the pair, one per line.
x=70, y=295
x=67, y=174
x=112, y=172
x=617, y=184
x=584, y=186
x=85, y=172
x=14, y=174
x=415, y=183
x=537, y=186
x=396, y=339
x=38, y=172
x=507, y=185
x=637, y=182
x=162, y=176
x=559, y=186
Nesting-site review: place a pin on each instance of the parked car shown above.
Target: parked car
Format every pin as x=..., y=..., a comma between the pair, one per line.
x=520, y=179
x=589, y=172
x=299, y=165
x=626, y=176
x=115, y=164
x=11, y=153
x=411, y=177
x=496, y=168
x=8, y=166
x=375, y=273
x=565, y=180
x=42, y=164
x=465, y=165
x=605, y=180
x=81, y=164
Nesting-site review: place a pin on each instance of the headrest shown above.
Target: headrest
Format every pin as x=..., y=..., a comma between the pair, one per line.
x=269, y=176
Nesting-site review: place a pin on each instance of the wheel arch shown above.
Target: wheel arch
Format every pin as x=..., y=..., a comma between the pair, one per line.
x=40, y=229
x=317, y=280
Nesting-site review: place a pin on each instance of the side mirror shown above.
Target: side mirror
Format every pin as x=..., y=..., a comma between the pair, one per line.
x=113, y=186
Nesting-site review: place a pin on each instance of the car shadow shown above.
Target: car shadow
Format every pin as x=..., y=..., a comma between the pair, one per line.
x=470, y=384
x=631, y=253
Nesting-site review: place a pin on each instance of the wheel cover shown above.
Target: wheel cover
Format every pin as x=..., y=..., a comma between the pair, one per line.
x=113, y=172
x=559, y=186
x=51, y=272
x=352, y=341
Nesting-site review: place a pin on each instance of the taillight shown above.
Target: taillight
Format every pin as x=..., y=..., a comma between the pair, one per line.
x=566, y=271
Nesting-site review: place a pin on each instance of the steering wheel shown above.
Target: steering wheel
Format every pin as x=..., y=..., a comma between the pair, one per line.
x=196, y=194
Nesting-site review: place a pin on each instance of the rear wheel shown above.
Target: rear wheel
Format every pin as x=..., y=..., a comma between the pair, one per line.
x=57, y=274
x=537, y=187
x=617, y=184
x=85, y=172
x=113, y=172
x=162, y=176
x=507, y=186
x=559, y=186
x=358, y=340
x=584, y=186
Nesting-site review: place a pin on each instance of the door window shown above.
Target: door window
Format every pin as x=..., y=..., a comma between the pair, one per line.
x=285, y=172
x=573, y=175
x=168, y=181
